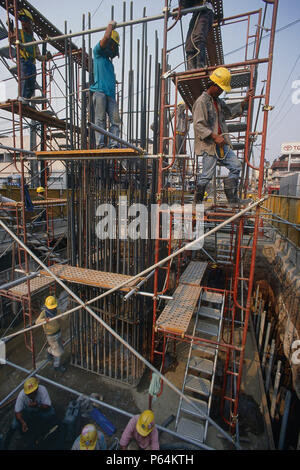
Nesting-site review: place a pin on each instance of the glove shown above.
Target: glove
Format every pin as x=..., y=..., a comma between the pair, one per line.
x=113, y=24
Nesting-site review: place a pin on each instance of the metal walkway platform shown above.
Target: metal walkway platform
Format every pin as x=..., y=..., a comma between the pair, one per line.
x=91, y=277
x=42, y=202
x=36, y=285
x=192, y=83
x=12, y=106
x=178, y=312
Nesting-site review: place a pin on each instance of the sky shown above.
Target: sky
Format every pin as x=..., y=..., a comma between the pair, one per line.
x=284, y=122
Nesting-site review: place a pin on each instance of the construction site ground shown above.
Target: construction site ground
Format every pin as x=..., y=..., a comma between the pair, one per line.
x=133, y=400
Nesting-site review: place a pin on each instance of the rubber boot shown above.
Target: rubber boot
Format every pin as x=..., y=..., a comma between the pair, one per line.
x=199, y=193
x=231, y=193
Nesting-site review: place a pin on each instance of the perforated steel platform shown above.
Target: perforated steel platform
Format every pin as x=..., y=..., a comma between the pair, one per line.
x=12, y=106
x=42, y=202
x=191, y=84
x=178, y=312
x=91, y=277
x=193, y=274
x=36, y=285
x=176, y=316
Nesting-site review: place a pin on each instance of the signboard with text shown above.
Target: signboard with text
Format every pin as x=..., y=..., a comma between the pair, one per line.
x=290, y=148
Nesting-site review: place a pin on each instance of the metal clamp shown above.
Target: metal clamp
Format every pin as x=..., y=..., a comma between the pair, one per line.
x=268, y=107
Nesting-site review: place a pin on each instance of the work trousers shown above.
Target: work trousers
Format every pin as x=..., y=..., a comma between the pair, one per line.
x=38, y=421
x=196, y=39
x=106, y=106
x=28, y=77
x=209, y=163
x=56, y=348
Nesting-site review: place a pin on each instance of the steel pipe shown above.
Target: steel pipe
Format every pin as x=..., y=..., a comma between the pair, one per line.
x=14, y=149
x=119, y=25
x=118, y=139
x=16, y=282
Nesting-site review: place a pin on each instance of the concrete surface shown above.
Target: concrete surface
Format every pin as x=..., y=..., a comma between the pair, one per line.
x=130, y=399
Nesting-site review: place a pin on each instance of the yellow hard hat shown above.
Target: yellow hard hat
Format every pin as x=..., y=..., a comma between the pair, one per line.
x=40, y=189
x=51, y=302
x=145, y=423
x=222, y=77
x=115, y=36
x=88, y=437
x=26, y=13
x=30, y=385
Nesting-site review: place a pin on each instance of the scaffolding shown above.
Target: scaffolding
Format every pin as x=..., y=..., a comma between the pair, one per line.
x=113, y=270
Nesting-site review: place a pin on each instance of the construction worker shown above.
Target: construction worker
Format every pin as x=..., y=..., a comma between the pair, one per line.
x=34, y=413
x=53, y=332
x=40, y=191
x=140, y=433
x=104, y=86
x=212, y=142
x=199, y=27
x=28, y=56
x=90, y=439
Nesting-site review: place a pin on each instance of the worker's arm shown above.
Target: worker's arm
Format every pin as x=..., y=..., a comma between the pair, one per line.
x=21, y=420
x=107, y=35
x=250, y=94
x=44, y=407
x=127, y=434
x=234, y=110
x=154, y=440
x=40, y=318
x=41, y=57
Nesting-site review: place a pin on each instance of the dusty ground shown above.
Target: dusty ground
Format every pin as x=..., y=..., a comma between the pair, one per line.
x=130, y=399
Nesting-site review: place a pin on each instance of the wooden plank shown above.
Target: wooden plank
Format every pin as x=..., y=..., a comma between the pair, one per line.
x=91, y=277
x=71, y=154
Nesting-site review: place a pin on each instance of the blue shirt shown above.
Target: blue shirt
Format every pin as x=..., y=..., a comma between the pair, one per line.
x=104, y=74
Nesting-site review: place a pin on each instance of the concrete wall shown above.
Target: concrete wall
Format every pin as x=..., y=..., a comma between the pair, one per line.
x=278, y=266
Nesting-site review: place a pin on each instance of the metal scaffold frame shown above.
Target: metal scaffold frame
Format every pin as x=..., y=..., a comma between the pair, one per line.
x=99, y=177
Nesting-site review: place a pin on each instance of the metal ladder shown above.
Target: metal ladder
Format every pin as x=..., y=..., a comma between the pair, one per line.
x=198, y=383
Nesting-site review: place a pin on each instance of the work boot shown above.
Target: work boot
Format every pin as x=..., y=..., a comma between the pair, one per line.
x=231, y=193
x=199, y=193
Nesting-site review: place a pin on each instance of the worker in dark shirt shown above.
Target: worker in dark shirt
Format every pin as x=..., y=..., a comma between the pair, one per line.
x=199, y=27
